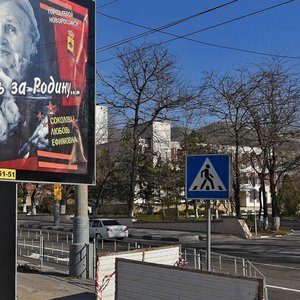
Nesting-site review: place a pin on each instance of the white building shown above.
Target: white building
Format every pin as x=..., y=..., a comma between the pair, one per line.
x=157, y=140
x=101, y=125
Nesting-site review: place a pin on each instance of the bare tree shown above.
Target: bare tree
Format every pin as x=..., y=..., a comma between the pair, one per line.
x=105, y=170
x=257, y=157
x=145, y=88
x=275, y=117
x=67, y=192
x=226, y=98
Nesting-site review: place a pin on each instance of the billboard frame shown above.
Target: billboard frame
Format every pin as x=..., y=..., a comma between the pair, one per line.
x=87, y=176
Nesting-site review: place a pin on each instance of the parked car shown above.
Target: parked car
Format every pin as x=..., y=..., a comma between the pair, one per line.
x=107, y=229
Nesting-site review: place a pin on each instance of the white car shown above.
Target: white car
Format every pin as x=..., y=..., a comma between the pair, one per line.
x=107, y=229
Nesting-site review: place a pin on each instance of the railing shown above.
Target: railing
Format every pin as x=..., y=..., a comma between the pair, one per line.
x=222, y=263
x=53, y=247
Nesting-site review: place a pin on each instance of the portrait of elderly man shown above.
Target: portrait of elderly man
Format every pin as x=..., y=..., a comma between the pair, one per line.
x=19, y=36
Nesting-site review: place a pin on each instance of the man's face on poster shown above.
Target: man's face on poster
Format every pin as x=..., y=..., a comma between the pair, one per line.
x=15, y=41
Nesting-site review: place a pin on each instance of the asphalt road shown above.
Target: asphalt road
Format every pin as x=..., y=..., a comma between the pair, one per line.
x=277, y=258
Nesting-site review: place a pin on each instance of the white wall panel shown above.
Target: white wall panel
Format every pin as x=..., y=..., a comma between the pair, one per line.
x=106, y=264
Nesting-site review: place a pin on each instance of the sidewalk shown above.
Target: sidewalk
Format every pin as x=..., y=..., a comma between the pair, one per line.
x=45, y=286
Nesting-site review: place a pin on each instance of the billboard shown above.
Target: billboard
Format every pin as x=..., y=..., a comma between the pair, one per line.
x=47, y=98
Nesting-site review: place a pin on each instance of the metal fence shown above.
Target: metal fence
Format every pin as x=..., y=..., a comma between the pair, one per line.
x=52, y=247
x=222, y=263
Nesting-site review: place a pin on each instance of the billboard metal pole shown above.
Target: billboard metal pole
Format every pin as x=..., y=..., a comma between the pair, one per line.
x=80, y=250
x=81, y=221
x=8, y=222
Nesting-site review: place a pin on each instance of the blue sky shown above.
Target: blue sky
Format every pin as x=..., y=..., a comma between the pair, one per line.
x=274, y=31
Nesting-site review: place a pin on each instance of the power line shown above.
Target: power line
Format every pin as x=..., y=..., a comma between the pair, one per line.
x=211, y=45
x=158, y=29
x=106, y=4
x=176, y=37
x=201, y=30
x=143, y=34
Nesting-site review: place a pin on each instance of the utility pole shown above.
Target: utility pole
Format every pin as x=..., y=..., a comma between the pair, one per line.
x=56, y=212
x=81, y=252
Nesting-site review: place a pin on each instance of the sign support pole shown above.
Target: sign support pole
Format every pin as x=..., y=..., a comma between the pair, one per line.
x=208, y=237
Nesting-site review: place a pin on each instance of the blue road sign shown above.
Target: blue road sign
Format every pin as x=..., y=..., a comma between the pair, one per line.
x=208, y=176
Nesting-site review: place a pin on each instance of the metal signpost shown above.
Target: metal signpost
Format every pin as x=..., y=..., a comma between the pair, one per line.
x=208, y=177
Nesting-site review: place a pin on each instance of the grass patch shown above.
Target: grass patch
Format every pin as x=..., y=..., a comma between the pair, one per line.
x=270, y=232
x=159, y=217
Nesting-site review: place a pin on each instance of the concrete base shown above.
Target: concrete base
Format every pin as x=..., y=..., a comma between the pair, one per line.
x=226, y=225
x=81, y=260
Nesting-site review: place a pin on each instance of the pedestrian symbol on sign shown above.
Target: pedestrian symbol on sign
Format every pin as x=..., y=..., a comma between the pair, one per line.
x=207, y=179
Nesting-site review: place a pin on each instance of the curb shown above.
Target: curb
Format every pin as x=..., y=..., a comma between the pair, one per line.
x=182, y=239
x=45, y=227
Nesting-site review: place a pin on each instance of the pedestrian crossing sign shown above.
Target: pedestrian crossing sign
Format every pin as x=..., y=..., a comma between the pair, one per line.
x=208, y=176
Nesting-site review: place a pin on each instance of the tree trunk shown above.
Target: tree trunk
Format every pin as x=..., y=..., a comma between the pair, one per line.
x=33, y=202
x=276, y=223
x=132, y=183
x=97, y=204
x=259, y=217
x=163, y=213
x=177, y=208
x=275, y=210
x=186, y=209
x=236, y=183
x=23, y=186
x=265, y=205
x=195, y=209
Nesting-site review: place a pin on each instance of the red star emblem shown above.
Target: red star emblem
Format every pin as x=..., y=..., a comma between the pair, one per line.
x=45, y=124
x=51, y=108
x=40, y=116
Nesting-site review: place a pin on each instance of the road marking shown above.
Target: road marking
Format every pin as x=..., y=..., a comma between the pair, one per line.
x=38, y=256
x=282, y=288
x=276, y=266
